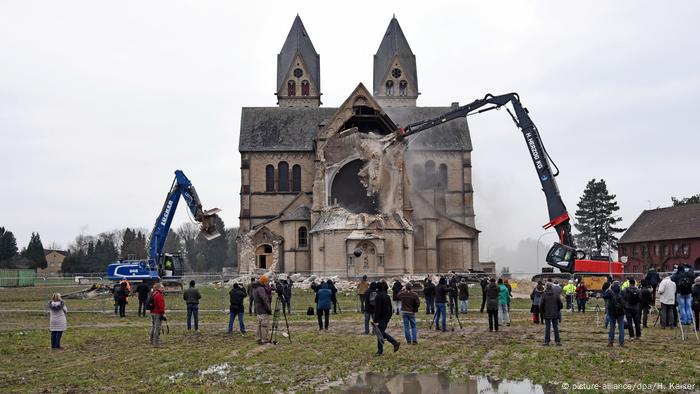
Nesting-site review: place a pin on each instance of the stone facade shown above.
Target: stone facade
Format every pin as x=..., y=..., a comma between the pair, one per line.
x=54, y=262
x=319, y=185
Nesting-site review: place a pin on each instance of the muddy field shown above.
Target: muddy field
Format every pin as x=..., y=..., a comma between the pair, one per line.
x=104, y=353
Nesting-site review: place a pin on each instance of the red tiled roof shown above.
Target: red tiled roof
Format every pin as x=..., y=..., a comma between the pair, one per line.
x=679, y=222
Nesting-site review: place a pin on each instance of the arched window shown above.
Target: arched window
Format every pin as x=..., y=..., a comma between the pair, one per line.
x=296, y=178
x=390, y=88
x=429, y=174
x=304, y=88
x=442, y=176
x=402, y=88
x=291, y=88
x=283, y=176
x=303, y=238
x=269, y=178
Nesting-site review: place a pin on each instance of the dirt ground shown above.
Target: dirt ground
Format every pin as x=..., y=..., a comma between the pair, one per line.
x=103, y=353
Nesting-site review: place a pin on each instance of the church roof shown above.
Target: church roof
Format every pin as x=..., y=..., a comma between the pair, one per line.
x=274, y=129
x=681, y=222
x=298, y=42
x=394, y=44
x=450, y=136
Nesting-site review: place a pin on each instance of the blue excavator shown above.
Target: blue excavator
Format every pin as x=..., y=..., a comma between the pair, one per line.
x=166, y=268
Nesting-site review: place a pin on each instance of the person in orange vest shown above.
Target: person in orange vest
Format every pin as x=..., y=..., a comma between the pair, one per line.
x=126, y=285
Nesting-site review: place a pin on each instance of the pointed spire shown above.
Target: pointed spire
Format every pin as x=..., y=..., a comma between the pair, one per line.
x=394, y=44
x=298, y=43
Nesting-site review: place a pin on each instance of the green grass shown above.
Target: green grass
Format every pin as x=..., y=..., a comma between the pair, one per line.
x=104, y=353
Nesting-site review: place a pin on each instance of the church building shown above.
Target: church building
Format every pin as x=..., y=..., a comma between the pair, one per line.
x=317, y=183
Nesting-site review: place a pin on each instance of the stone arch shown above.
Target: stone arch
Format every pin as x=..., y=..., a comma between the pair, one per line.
x=348, y=191
x=263, y=256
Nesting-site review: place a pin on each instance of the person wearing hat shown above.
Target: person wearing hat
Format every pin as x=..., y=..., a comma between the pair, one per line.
x=361, y=290
x=191, y=297
x=262, y=300
x=570, y=291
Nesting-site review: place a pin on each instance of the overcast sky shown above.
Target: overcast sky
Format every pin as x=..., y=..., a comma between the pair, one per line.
x=100, y=102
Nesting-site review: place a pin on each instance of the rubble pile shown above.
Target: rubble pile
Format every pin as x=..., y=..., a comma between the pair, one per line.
x=94, y=291
x=304, y=282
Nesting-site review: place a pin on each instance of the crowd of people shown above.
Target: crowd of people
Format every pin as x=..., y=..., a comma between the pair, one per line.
x=627, y=305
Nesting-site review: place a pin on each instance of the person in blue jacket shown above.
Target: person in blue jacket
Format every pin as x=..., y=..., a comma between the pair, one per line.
x=324, y=297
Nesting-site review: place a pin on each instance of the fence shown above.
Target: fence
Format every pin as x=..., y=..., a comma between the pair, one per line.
x=17, y=277
x=34, y=297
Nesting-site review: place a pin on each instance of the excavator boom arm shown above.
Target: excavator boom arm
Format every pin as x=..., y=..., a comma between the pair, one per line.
x=563, y=253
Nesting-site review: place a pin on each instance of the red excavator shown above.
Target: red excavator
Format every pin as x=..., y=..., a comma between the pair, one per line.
x=562, y=254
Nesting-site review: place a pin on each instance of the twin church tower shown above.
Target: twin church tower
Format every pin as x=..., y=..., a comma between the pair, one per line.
x=395, y=81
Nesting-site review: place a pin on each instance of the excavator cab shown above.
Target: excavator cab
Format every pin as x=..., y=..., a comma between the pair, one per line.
x=562, y=257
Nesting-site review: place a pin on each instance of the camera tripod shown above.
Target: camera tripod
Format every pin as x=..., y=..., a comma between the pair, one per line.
x=275, y=323
x=692, y=324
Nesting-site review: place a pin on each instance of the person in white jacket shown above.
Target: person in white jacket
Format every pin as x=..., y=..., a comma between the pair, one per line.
x=667, y=296
x=57, y=320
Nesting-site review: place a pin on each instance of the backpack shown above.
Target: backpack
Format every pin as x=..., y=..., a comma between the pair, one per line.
x=310, y=311
x=685, y=285
x=372, y=297
x=150, y=303
x=616, y=307
x=633, y=297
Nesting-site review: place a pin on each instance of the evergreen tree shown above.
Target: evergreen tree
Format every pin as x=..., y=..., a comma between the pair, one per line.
x=128, y=248
x=595, y=219
x=75, y=262
x=686, y=201
x=35, y=252
x=105, y=252
x=140, y=245
x=8, y=244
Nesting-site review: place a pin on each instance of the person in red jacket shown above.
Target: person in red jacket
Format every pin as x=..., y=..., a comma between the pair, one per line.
x=581, y=296
x=157, y=313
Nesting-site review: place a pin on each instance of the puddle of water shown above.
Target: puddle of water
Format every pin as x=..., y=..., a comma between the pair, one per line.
x=437, y=383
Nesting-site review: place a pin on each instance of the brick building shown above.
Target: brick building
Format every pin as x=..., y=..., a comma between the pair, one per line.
x=316, y=185
x=662, y=238
x=54, y=262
